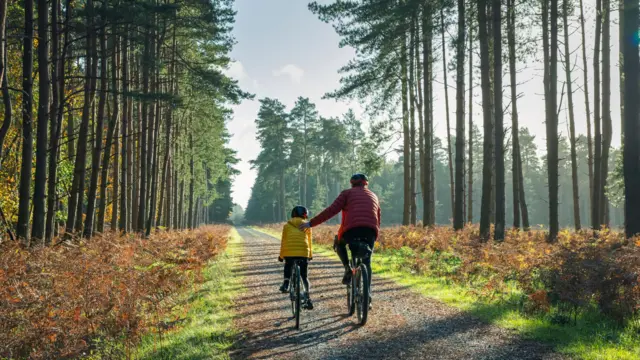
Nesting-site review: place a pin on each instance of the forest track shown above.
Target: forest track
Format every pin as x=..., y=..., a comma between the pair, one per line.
x=402, y=324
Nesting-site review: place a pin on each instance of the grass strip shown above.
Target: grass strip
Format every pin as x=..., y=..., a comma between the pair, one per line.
x=207, y=330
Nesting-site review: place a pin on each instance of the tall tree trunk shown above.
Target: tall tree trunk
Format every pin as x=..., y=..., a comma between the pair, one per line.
x=124, y=127
x=39, y=194
x=432, y=169
x=97, y=150
x=585, y=74
x=24, y=192
x=552, y=124
x=191, y=184
x=116, y=178
x=458, y=212
x=111, y=136
x=447, y=112
x=428, y=145
x=511, y=39
x=181, y=206
x=420, y=106
x=6, y=99
x=406, y=148
x=487, y=168
x=596, y=205
x=572, y=127
x=56, y=116
x=631, y=148
x=499, y=125
x=620, y=65
x=470, y=172
x=412, y=113
x=74, y=215
x=154, y=146
x=606, y=110
x=145, y=149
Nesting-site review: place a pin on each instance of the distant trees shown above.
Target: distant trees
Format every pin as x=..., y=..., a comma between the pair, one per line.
x=384, y=76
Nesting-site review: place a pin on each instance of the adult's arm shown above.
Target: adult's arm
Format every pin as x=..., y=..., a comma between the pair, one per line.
x=379, y=216
x=333, y=210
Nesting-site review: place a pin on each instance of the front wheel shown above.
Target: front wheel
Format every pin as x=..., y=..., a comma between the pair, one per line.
x=297, y=296
x=362, y=294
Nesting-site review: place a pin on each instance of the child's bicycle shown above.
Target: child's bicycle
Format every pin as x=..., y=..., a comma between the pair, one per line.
x=358, y=288
x=296, y=289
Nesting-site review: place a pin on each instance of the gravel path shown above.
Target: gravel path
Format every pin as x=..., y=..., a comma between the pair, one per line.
x=402, y=324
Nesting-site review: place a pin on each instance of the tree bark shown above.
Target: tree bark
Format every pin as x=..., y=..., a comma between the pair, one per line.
x=585, y=74
x=406, y=148
x=191, y=185
x=572, y=127
x=631, y=148
x=426, y=170
x=116, y=177
x=470, y=172
x=552, y=124
x=97, y=150
x=39, y=194
x=124, y=127
x=606, y=110
x=447, y=112
x=144, y=150
x=485, y=210
x=458, y=213
x=499, y=125
x=511, y=39
x=6, y=99
x=55, y=118
x=74, y=217
x=412, y=112
x=22, y=230
x=596, y=206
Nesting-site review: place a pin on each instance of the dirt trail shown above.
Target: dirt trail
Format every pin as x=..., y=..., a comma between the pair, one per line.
x=402, y=324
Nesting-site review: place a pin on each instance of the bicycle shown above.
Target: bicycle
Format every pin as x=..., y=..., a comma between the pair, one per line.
x=295, y=284
x=358, y=289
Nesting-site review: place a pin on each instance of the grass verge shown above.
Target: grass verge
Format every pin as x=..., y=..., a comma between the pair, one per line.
x=592, y=337
x=206, y=331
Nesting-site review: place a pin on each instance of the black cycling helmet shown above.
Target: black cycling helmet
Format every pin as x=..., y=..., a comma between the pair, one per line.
x=359, y=179
x=299, y=211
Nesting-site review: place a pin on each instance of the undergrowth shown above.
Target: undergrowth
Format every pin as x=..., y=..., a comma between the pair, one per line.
x=100, y=295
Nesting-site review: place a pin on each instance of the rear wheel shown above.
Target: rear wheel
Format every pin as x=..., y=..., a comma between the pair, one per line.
x=362, y=294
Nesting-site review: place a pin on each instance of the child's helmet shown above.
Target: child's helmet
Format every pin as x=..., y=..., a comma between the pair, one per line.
x=299, y=211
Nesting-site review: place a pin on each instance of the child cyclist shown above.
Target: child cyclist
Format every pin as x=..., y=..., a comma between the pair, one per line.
x=296, y=245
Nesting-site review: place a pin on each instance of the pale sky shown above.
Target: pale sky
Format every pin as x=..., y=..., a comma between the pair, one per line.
x=283, y=51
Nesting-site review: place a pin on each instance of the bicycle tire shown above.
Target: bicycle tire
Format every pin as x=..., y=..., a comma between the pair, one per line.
x=292, y=293
x=351, y=301
x=363, y=295
x=297, y=285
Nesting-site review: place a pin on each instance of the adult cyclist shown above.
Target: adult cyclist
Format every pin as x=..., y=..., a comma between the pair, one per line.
x=360, y=220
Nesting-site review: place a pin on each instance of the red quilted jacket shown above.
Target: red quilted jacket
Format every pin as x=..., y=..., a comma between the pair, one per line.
x=359, y=206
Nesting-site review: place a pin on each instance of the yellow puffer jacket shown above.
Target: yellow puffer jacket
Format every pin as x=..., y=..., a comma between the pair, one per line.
x=295, y=243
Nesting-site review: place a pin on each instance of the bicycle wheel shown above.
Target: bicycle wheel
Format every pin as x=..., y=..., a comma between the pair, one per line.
x=292, y=292
x=297, y=295
x=362, y=281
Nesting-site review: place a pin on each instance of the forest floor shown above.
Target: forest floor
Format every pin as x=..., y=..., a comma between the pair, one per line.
x=403, y=324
